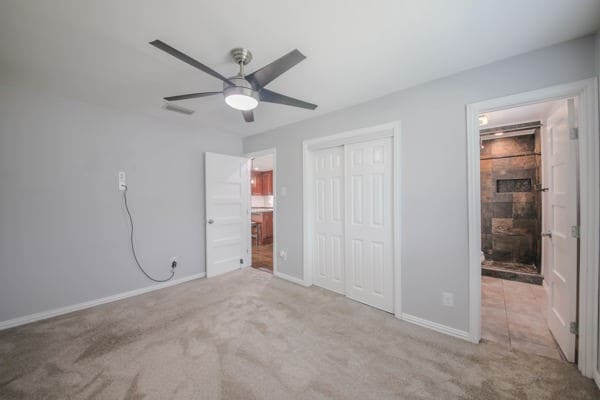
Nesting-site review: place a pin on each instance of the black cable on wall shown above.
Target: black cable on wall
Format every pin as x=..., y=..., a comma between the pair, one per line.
x=173, y=265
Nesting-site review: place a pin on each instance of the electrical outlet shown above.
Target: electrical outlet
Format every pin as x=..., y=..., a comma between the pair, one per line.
x=122, y=182
x=173, y=262
x=448, y=299
x=283, y=255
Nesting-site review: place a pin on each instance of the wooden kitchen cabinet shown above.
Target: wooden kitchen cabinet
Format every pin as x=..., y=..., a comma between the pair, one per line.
x=265, y=219
x=262, y=183
x=268, y=227
x=267, y=183
x=257, y=183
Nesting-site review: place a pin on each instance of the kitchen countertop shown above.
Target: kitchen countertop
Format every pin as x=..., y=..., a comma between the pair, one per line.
x=261, y=209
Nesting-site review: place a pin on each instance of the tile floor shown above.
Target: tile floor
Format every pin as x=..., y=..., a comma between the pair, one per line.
x=514, y=314
x=262, y=257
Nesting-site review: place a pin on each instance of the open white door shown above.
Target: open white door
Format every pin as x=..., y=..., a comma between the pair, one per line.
x=227, y=181
x=560, y=224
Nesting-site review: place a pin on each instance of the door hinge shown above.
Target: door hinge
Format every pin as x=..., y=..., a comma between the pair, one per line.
x=574, y=328
x=575, y=231
x=574, y=133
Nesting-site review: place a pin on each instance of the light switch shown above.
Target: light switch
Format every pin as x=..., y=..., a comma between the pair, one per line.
x=283, y=191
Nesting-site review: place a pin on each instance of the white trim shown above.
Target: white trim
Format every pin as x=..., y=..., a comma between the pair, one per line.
x=464, y=335
x=92, y=303
x=397, y=206
x=271, y=151
x=589, y=242
x=307, y=173
x=293, y=279
x=350, y=137
x=589, y=149
x=391, y=129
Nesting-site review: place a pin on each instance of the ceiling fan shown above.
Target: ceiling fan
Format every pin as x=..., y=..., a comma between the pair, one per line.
x=243, y=92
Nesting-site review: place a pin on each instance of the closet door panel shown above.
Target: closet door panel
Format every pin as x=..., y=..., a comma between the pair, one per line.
x=328, y=201
x=369, y=223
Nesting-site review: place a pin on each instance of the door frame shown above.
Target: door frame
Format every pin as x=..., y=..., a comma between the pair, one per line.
x=391, y=129
x=270, y=151
x=586, y=91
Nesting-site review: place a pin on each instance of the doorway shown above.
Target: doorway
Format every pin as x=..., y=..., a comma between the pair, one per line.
x=524, y=164
x=263, y=202
x=504, y=238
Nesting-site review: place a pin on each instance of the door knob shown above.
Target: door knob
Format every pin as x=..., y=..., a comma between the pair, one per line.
x=547, y=234
x=211, y=221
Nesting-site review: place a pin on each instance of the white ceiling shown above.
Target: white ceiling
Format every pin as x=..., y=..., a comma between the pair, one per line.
x=97, y=50
x=518, y=115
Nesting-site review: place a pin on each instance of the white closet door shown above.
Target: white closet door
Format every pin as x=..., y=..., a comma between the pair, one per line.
x=328, y=192
x=369, y=223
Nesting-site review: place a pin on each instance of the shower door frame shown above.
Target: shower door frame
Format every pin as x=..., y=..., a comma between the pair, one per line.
x=586, y=91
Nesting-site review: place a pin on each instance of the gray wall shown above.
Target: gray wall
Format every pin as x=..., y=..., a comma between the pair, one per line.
x=63, y=229
x=434, y=198
x=598, y=75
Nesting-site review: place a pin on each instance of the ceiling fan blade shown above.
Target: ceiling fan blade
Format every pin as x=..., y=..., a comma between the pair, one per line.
x=273, y=97
x=191, y=96
x=248, y=116
x=268, y=73
x=159, y=44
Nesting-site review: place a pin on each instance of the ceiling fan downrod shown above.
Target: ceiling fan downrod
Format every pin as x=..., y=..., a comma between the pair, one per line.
x=242, y=57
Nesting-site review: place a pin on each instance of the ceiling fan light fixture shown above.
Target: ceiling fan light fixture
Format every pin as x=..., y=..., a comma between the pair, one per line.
x=241, y=97
x=241, y=102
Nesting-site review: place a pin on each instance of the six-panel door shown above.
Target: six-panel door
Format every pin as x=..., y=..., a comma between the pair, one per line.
x=328, y=206
x=369, y=223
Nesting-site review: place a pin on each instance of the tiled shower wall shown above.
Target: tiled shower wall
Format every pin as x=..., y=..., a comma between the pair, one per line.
x=510, y=201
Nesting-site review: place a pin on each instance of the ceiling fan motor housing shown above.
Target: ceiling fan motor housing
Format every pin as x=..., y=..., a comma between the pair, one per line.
x=242, y=87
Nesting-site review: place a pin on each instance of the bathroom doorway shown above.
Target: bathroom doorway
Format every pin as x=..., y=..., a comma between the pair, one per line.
x=528, y=194
x=570, y=150
x=262, y=186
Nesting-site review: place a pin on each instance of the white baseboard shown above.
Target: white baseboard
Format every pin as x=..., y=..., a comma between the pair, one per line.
x=406, y=317
x=87, y=304
x=290, y=278
x=436, y=327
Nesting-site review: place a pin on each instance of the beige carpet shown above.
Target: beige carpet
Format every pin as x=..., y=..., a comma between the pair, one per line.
x=248, y=335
